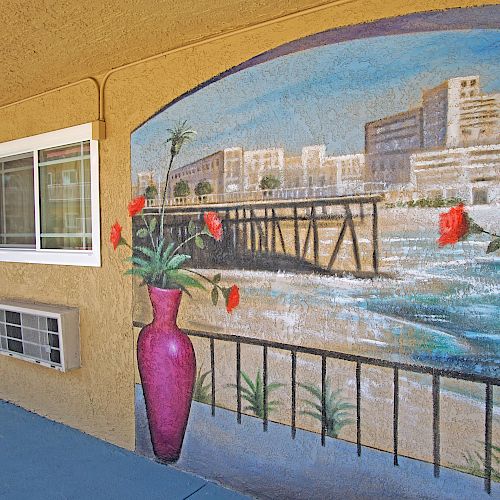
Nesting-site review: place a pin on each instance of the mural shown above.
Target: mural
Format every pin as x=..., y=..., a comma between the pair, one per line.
x=356, y=174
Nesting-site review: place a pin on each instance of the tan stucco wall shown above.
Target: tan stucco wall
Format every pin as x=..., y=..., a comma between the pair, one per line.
x=99, y=397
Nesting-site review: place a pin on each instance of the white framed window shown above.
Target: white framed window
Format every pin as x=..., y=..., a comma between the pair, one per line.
x=49, y=198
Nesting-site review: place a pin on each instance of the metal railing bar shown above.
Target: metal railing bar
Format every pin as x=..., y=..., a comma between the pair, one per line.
x=358, y=407
x=436, y=437
x=238, y=381
x=294, y=391
x=279, y=203
x=487, y=437
x=395, y=418
x=423, y=369
x=264, y=387
x=212, y=368
x=323, y=400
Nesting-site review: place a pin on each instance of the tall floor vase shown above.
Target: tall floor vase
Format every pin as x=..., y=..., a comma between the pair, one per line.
x=167, y=365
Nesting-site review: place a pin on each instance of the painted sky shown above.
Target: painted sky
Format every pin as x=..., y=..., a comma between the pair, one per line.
x=323, y=95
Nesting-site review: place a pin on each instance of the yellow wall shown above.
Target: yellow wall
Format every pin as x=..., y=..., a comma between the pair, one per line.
x=99, y=397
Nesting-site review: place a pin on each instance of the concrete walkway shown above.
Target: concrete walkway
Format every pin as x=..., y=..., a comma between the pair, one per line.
x=41, y=459
x=271, y=465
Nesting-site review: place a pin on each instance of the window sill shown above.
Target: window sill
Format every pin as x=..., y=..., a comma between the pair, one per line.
x=53, y=257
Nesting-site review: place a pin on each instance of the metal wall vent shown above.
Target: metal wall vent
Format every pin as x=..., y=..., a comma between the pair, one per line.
x=43, y=334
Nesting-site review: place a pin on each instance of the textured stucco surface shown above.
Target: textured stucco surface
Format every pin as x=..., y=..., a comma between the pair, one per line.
x=99, y=397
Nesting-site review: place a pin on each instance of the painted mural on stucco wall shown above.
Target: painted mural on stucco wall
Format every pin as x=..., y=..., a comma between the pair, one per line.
x=357, y=176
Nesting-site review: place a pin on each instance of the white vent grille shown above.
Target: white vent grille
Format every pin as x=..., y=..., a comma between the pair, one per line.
x=43, y=334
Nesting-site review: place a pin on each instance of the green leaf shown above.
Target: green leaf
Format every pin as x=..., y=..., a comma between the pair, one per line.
x=152, y=225
x=142, y=233
x=146, y=251
x=138, y=261
x=168, y=251
x=248, y=380
x=191, y=227
x=199, y=242
x=493, y=246
x=216, y=278
x=176, y=261
x=473, y=228
x=183, y=279
x=215, y=296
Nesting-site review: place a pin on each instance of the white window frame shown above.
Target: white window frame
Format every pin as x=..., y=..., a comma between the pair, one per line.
x=38, y=255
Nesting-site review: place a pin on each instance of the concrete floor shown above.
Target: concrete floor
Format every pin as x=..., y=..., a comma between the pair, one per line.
x=271, y=465
x=44, y=460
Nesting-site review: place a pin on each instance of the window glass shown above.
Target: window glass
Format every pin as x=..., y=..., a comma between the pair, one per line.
x=65, y=201
x=17, y=206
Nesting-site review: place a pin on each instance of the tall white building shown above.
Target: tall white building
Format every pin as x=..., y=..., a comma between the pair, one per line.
x=457, y=114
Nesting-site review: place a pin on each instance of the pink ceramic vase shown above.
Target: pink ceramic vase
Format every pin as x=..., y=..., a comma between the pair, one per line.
x=167, y=365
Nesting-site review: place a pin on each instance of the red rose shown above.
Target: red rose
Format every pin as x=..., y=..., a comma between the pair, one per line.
x=214, y=224
x=136, y=205
x=453, y=226
x=233, y=298
x=116, y=234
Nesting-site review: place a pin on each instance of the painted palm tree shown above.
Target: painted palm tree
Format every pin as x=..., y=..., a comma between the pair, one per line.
x=178, y=136
x=253, y=394
x=202, y=390
x=337, y=411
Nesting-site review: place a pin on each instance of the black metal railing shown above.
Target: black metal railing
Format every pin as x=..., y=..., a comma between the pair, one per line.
x=359, y=361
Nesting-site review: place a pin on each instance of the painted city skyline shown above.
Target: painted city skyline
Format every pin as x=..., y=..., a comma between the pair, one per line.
x=266, y=106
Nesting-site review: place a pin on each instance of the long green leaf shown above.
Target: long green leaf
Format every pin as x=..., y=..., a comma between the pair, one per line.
x=146, y=251
x=248, y=380
x=176, y=261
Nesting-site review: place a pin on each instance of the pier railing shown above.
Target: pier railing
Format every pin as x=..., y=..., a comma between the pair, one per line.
x=358, y=361
x=255, y=234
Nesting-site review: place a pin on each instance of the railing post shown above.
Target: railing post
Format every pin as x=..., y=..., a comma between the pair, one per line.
x=245, y=231
x=294, y=391
x=375, y=237
x=395, y=418
x=266, y=230
x=236, y=233
x=358, y=407
x=238, y=381
x=273, y=231
x=435, y=423
x=252, y=232
x=315, y=236
x=323, y=400
x=296, y=231
x=487, y=437
x=212, y=368
x=264, y=387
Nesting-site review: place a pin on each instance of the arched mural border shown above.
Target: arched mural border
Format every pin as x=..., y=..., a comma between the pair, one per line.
x=484, y=17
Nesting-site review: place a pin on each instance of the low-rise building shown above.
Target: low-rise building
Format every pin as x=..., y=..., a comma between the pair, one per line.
x=260, y=162
x=472, y=174
x=209, y=168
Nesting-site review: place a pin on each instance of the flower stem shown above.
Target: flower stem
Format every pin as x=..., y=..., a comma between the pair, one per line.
x=204, y=277
x=160, y=237
x=491, y=234
x=184, y=242
x=150, y=235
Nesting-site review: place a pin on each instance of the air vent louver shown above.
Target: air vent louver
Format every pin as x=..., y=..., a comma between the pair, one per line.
x=43, y=334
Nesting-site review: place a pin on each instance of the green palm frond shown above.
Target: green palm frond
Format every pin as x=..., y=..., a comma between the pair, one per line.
x=202, y=391
x=178, y=136
x=475, y=462
x=337, y=414
x=253, y=394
